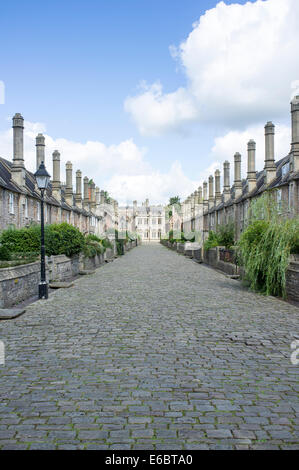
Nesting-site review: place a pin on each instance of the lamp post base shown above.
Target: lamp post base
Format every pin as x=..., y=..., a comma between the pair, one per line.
x=43, y=290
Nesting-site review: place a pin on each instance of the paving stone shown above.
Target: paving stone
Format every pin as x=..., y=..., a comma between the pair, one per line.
x=151, y=352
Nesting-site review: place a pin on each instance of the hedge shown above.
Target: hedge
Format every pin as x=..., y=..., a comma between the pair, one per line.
x=59, y=239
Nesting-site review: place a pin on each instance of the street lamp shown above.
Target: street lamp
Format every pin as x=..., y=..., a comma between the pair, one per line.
x=42, y=179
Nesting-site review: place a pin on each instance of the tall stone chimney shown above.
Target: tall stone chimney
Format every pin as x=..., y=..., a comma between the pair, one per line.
x=211, y=191
x=69, y=183
x=78, y=195
x=56, y=183
x=40, y=150
x=237, y=175
x=86, y=194
x=18, y=169
x=97, y=195
x=295, y=134
x=226, y=181
x=251, y=173
x=102, y=197
x=270, y=168
x=93, y=196
x=200, y=200
x=205, y=195
x=217, y=188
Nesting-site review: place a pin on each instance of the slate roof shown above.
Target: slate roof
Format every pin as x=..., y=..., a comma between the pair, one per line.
x=29, y=189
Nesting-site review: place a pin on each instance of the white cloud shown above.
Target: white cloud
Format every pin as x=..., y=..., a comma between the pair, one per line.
x=156, y=186
x=120, y=169
x=227, y=145
x=155, y=112
x=240, y=64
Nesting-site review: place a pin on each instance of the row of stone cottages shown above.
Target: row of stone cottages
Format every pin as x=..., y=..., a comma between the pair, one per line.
x=20, y=198
x=208, y=207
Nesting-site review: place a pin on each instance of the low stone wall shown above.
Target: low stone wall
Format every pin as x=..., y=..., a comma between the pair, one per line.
x=292, y=279
x=215, y=257
x=91, y=263
x=62, y=268
x=18, y=283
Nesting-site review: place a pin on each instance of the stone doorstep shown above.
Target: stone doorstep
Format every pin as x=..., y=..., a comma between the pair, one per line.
x=10, y=313
x=60, y=285
x=86, y=272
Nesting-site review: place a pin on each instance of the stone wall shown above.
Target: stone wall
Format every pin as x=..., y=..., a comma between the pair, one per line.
x=292, y=279
x=18, y=283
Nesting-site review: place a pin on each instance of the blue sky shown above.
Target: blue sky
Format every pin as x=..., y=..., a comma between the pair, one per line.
x=70, y=66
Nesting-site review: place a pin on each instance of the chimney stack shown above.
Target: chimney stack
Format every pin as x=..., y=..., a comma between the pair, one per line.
x=200, y=195
x=295, y=134
x=226, y=181
x=251, y=173
x=93, y=196
x=69, y=183
x=211, y=191
x=270, y=168
x=97, y=195
x=217, y=188
x=78, y=195
x=40, y=150
x=102, y=197
x=56, y=183
x=237, y=176
x=86, y=195
x=18, y=169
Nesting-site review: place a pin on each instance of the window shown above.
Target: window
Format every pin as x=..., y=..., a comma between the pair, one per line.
x=285, y=169
x=46, y=212
x=11, y=204
x=38, y=211
x=154, y=221
x=279, y=199
x=26, y=208
x=290, y=196
x=159, y=221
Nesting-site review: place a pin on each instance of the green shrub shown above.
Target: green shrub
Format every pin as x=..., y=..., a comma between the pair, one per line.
x=92, y=248
x=265, y=248
x=226, y=235
x=59, y=239
x=212, y=241
x=5, y=254
x=106, y=243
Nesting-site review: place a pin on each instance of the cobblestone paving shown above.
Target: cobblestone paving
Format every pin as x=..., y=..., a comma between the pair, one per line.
x=152, y=352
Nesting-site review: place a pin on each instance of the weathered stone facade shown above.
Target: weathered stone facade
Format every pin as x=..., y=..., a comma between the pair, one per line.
x=207, y=208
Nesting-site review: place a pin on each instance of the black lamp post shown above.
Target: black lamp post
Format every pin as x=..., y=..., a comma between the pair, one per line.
x=42, y=179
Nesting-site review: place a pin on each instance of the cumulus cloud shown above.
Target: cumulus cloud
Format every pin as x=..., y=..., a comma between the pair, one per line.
x=227, y=145
x=156, y=186
x=121, y=169
x=240, y=65
x=155, y=112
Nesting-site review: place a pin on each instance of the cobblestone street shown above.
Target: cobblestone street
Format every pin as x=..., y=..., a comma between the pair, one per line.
x=153, y=351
